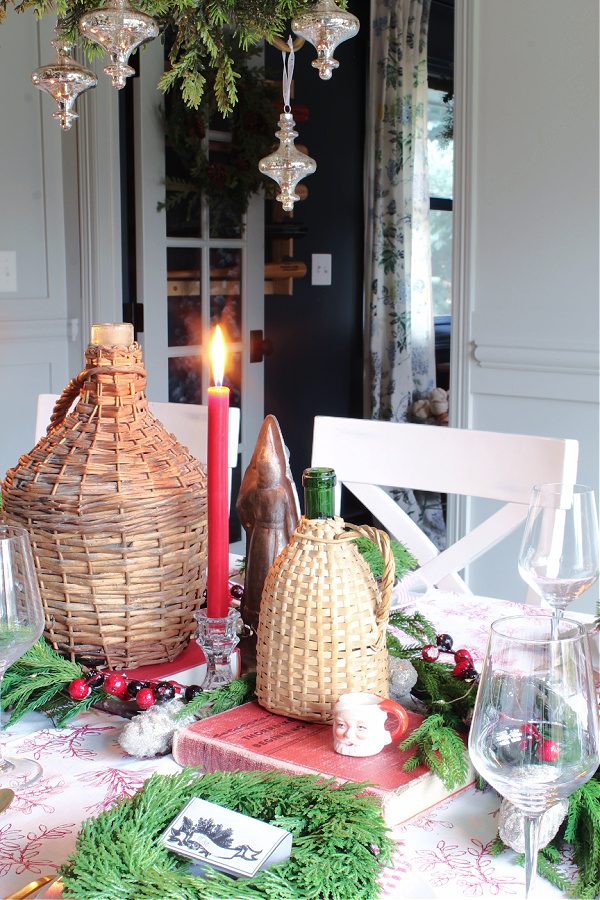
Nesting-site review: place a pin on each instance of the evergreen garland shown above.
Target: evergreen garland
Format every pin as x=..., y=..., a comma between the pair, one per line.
x=39, y=679
x=340, y=841
x=206, y=38
x=228, y=182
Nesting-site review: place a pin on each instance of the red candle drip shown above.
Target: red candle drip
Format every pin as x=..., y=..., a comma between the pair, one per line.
x=217, y=588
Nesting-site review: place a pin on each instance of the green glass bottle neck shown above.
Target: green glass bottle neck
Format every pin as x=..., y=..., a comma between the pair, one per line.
x=319, y=487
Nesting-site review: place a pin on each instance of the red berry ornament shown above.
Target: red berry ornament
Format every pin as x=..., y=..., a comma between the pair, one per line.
x=115, y=684
x=79, y=689
x=444, y=642
x=430, y=653
x=145, y=698
x=461, y=667
x=548, y=751
x=463, y=654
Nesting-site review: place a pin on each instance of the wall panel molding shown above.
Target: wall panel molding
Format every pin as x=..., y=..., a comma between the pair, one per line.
x=27, y=330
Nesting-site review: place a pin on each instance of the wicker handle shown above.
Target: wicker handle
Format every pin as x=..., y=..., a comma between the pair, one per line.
x=63, y=404
x=382, y=540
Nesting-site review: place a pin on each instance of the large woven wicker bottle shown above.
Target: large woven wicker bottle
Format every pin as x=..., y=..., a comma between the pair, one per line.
x=116, y=512
x=323, y=618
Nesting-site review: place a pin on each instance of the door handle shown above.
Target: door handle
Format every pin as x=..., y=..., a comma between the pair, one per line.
x=259, y=346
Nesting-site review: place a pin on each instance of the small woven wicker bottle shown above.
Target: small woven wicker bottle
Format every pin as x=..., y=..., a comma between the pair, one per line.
x=116, y=512
x=323, y=618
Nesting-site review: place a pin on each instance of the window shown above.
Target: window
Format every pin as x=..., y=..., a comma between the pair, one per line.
x=441, y=163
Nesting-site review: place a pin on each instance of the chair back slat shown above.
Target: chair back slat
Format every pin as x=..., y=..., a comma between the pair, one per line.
x=369, y=456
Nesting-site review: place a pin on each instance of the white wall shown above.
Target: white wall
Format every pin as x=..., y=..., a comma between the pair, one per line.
x=36, y=328
x=530, y=203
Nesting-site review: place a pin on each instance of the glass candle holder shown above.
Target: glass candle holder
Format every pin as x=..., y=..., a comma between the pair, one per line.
x=218, y=638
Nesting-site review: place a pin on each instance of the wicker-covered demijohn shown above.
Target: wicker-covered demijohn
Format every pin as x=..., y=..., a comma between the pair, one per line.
x=323, y=618
x=116, y=511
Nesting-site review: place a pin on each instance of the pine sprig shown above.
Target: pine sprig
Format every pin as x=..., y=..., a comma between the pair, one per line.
x=403, y=558
x=450, y=697
x=415, y=625
x=239, y=691
x=119, y=853
x=38, y=681
x=439, y=748
x=582, y=830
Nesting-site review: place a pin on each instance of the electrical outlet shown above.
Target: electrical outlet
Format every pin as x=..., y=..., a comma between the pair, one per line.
x=8, y=271
x=321, y=268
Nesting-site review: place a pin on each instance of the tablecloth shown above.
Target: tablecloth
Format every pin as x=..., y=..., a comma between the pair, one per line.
x=444, y=852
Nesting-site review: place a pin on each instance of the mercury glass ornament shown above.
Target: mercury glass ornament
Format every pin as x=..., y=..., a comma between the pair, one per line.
x=119, y=29
x=287, y=165
x=64, y=80
x=511, y=824
x=325, y=26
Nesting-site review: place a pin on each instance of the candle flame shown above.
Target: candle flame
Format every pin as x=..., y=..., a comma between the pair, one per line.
x=217, y=356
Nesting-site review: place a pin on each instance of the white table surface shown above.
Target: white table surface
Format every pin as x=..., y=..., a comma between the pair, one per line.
x=444, y=852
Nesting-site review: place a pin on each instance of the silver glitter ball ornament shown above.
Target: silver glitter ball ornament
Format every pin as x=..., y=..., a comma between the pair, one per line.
x=64, y=80
x=511, y=826
x=402, y=676
x=119, y=29
x=151, y=733
x=325, y=26
x=287, y=165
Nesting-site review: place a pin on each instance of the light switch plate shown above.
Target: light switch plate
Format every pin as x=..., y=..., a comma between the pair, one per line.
x=8, y=271
x=321, y=268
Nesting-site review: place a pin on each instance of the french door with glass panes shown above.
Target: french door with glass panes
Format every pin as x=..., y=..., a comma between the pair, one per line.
x=193, y=274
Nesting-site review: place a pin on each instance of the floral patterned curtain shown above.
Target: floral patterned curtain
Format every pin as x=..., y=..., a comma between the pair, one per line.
x=398, y=264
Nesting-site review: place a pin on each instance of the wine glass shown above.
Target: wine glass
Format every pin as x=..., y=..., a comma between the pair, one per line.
x=534, y=735
x=559, y=550
x=21, y=624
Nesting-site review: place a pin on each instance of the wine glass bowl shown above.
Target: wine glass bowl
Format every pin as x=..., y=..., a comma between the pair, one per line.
x=534, y=735
x=21, y=624
x=559, y=555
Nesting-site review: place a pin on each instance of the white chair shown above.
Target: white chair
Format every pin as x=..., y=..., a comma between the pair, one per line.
x=369, y=455
x=187, y=421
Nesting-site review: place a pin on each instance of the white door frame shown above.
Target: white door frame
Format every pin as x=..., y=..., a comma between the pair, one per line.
x=462, y=240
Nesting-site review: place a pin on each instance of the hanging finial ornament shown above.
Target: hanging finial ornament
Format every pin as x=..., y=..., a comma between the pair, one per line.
x=64, y=80
x=325, y=26
x=287, y=165
x=119, y=29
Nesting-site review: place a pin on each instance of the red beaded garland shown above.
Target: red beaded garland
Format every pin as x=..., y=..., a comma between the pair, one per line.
x=79, y=689
x=115, y=684
x=430, y=653
x=462, y=666
x=529, y=730
x=145, y=698
x=463, y=654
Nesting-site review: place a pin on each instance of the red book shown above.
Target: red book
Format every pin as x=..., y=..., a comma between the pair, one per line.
x=251, y=738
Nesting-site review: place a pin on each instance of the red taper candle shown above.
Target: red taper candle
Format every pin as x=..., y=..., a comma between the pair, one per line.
x=217, y=588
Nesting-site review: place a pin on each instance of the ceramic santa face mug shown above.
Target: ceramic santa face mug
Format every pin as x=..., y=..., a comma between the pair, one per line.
x=359, y=721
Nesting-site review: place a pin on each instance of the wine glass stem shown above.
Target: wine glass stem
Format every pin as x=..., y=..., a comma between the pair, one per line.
x=532, y=834
x=3, y=764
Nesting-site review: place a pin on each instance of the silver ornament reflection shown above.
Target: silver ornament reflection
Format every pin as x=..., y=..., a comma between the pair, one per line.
x=64, y=80
x=325, y=26
x=287, y=165
x=511, y=826
x=119, y=29
x=402, y=677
